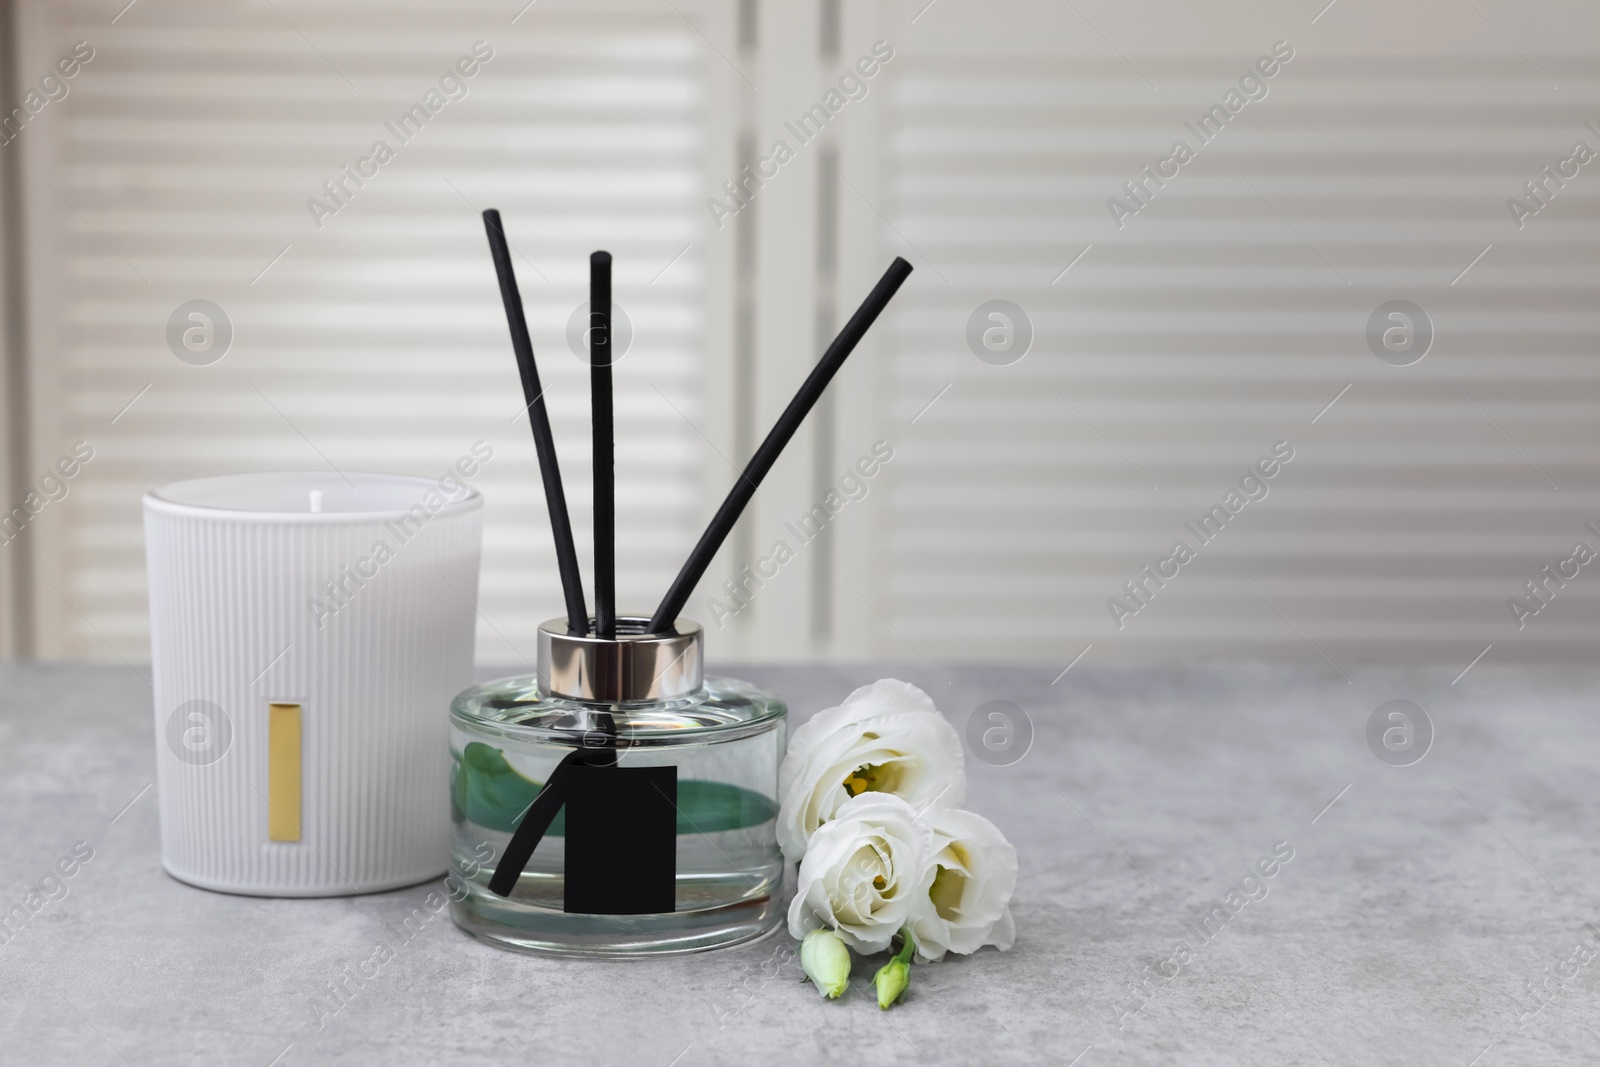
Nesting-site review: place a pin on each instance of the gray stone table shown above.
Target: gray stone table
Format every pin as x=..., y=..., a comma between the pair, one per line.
x=1436, y=913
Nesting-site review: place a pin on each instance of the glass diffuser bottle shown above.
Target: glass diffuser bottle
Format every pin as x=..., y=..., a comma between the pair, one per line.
x=656, y=831
x=617, y=803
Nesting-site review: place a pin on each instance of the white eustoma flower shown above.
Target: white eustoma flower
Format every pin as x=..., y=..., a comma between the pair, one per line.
x=886, y=737
x=864, y=872
x=967, y=904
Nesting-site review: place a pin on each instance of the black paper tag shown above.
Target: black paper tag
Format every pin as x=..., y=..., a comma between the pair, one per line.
x=622, y=840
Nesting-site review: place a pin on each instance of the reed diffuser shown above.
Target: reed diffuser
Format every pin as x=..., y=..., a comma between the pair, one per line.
x=618, y=802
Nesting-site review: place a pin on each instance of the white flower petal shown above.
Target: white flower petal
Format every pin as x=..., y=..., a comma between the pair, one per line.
x=975, y=875
x=875, y=838
x=890, y=726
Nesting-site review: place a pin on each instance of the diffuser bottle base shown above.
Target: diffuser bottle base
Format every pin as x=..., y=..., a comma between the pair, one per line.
x=711, y=858
x=512, y=924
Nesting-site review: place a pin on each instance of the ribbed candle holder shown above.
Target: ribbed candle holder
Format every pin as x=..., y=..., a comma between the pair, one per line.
x=307, y=629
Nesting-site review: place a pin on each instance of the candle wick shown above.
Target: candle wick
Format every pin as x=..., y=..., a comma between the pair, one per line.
x=316, y=500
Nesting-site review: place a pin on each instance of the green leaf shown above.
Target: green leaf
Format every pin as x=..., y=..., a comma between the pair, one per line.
x=486, y=790
x=706, y=807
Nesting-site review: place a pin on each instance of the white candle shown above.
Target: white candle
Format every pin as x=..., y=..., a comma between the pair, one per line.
x=308, y=631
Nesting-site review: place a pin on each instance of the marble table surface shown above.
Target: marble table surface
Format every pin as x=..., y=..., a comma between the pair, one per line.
x=1433, y=913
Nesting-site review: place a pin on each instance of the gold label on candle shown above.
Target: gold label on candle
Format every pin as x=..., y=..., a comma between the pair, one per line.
x=283, y=772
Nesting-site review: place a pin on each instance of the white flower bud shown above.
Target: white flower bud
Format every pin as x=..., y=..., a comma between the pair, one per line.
x=826, y=962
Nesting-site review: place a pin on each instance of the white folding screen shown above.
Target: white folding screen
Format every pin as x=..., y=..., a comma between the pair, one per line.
x=1181, y=325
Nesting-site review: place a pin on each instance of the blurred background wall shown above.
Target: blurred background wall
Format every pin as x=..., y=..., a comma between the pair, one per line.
x=1173, y=324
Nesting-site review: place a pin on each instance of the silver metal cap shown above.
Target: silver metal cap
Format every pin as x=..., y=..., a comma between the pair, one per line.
x=634, y=666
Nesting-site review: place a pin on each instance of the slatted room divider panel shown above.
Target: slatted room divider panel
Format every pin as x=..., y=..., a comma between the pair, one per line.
x=1180, y=336
x=179, y=167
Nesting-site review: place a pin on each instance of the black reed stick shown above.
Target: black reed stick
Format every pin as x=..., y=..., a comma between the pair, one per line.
x=552, y=796
x=723, y=522
x=605, y=495
x=543, y=442
x=535, y=822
